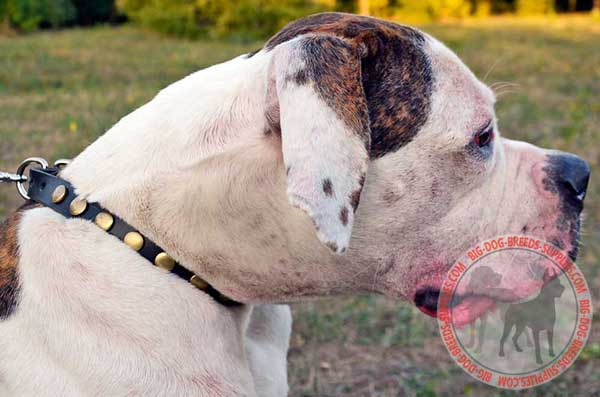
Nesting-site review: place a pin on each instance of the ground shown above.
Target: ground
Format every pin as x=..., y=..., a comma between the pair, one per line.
x=60, y=90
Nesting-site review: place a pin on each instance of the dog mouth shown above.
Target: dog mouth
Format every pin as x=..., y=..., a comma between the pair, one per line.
x=468, y=306
x=465, y=308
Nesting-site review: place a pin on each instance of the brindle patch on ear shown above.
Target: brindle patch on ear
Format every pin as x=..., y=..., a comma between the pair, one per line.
x=9, y=259
x=396, y=72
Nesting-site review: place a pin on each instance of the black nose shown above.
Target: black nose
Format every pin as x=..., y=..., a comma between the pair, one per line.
x=571, y=174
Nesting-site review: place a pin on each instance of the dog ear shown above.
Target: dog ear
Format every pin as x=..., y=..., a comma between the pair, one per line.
x=318, y=104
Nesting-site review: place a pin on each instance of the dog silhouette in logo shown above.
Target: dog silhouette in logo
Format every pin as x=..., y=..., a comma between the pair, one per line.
x=538, y=314
x=483, y=278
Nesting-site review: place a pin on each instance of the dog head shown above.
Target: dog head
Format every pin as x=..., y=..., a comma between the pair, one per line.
x=373, y=112
x=350, y=154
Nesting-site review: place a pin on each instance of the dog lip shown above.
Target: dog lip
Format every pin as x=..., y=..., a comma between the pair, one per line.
x=429, y=312
x=426, y=300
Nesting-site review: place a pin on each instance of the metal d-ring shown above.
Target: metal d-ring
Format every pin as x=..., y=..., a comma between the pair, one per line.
x=22, y=167
x=61, y=163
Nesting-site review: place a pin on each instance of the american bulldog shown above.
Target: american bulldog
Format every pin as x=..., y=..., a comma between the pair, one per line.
x=250, y=173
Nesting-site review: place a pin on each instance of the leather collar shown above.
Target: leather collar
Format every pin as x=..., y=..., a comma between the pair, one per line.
x=48, y=189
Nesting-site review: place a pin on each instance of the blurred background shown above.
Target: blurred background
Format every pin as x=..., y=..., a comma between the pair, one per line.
x=70, y=69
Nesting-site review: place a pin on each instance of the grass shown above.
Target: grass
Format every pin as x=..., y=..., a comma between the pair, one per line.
x=58, y=91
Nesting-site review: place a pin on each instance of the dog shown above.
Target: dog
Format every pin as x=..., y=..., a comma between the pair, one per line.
x=347, y=155
x=538, y=314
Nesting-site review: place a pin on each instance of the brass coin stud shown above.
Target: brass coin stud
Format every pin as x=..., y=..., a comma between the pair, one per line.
x=164, y=261
x=104, y=220
x=78, y=206
x=134, y=240
x=198, y=282
x=59, y=194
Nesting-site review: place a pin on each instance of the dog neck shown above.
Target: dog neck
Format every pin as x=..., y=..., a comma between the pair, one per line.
x=158, y=159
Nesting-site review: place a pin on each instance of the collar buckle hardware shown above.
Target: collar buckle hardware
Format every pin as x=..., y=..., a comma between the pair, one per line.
x=19, y=177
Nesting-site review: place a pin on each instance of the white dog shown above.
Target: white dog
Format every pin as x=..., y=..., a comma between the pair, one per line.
x=249, y=173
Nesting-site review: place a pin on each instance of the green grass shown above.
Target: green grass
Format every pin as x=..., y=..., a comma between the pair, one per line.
x=58, y=91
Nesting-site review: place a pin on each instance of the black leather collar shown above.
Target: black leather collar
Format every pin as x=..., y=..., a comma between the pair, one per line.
x=46, y=188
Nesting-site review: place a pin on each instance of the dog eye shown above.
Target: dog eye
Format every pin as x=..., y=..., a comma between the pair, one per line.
x=483, y=138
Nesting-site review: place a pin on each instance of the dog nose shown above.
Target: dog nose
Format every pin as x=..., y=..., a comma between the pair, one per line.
x=426, y=300
x=571, y=174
